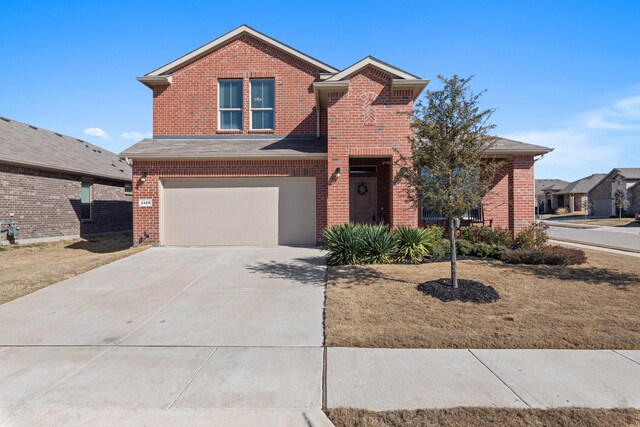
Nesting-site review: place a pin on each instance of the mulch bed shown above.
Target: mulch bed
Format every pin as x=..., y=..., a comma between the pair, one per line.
x=468, y=291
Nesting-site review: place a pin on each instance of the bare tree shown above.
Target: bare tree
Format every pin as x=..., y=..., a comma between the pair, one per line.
x=448, y=170
x=620, y=201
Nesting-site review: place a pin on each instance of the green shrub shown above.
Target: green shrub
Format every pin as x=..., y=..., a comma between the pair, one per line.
x=533, y=237
x=441, y=249
x=413, y=243
x=465, y=247
x=344, y=244
x=435, y=233
x=379, y=245
x=485, y=234
x=548, y=255
x=482, y=250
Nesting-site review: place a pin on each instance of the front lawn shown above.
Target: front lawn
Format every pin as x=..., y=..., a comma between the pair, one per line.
x=478, y=417
x=589, y=306
x=607, y=222
x=27, y=268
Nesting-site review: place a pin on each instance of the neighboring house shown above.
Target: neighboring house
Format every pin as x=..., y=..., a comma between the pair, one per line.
x=601, y=195
x=574, y=195
x=58, y=187
x=545, y=190
x=256, y=142
x=634, y=196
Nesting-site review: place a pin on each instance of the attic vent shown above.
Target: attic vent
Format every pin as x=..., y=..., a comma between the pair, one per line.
x=5, y=119
x=79, y=140
x=33, y=127
x=122, y=170
x=59, y=134
x=86, y=145
x=113, y=164
x=99, y=151
x=95, y=151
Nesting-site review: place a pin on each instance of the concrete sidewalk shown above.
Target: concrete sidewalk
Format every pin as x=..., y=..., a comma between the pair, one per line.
x=388, y=379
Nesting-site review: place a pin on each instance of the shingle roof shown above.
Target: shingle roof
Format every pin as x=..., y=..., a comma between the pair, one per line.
x=510, y=146
x=629, y=173
x=227, y=147
x=583, y=185
x=277, y=146
x=549, y=184
x=28, y=145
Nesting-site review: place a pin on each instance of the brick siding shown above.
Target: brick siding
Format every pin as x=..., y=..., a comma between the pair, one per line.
x=47, y=204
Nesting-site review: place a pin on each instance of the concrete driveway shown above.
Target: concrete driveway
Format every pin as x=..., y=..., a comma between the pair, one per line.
x=187, y=335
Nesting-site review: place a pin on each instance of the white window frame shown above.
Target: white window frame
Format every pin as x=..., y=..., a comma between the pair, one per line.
x=220, y=109
x=251, y=109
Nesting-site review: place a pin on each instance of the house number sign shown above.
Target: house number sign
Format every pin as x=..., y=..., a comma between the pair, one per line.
x=145, y=203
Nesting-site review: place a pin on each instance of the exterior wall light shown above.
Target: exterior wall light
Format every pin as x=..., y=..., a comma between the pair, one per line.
x=143, y=177
x=338, y=172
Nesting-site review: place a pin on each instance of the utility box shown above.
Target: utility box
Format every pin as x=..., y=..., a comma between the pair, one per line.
x=13, y=230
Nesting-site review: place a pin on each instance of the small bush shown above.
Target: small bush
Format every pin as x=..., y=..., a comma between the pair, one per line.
x=441, y=249
x=547, y=255
x=465, y=247
x=533, y=237
x=485, y=234
x=344, y=244
x=413, y=243
x=434, y=232
x=562, y=211
x=482, y=250
x=379, y=245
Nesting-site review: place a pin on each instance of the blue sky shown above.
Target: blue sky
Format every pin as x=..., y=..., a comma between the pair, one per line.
x=560, y=73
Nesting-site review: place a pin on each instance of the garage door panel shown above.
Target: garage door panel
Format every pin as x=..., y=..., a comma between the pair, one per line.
x=238, y=211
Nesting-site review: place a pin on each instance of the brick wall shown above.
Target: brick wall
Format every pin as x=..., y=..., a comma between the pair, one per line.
x=367, y=121
x=147, y=219
x=189, y=105
x=521, y=193
x=47, y=204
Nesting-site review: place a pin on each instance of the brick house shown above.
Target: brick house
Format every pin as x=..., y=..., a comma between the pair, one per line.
x=258, y=143
x=601, y=195
x=57, y=187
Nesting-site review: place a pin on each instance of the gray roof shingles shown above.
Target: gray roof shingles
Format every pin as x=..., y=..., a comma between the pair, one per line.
x=549, y=184
x=247, y=146
x=583, y=185
x=39, y=148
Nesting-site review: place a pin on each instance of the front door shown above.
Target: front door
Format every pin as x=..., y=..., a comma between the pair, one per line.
x=363, y=200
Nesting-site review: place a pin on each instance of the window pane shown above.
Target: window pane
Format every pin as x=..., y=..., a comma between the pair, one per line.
x=262, y=119
x=231, y=120
x=230, y=94
x=262, y=92
x=85, y=195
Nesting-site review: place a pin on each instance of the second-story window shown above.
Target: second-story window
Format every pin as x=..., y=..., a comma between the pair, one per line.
x=230, y=104
x=262, y=104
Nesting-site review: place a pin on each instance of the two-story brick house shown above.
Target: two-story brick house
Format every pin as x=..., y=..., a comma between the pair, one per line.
x=258, y=143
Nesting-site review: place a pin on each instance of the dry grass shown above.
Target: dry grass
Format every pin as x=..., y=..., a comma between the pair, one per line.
x=478, y=417
x=607, y=222
x=27, y=268
x=592, y=306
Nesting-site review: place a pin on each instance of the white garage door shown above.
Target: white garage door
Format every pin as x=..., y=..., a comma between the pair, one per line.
x=238, y=211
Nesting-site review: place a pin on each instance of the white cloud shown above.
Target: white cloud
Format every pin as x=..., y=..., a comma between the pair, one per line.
x=594, y=141
x=135, y=136
x=97, y=132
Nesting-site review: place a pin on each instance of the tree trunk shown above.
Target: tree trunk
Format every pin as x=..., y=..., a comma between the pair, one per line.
x=454, y=260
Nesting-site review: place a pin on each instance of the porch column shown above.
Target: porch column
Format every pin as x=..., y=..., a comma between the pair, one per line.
x=338, y=187
x=521, y=193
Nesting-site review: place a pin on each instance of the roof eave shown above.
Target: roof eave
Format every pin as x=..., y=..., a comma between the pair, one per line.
x=229, y=156
x=151, y=81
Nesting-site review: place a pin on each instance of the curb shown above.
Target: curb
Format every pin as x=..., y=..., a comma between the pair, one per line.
x=571, y=225
x=597, y=245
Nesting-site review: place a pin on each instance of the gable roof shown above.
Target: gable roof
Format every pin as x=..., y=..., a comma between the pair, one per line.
x=242, y=29
x=370, y=60
x=28, y=145
x=582, y=185
x=629, y=173
x=542, y=185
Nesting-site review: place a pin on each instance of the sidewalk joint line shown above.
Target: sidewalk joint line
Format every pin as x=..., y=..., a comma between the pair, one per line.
x=628, y=358
x=500, y=379
x=192, y=378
